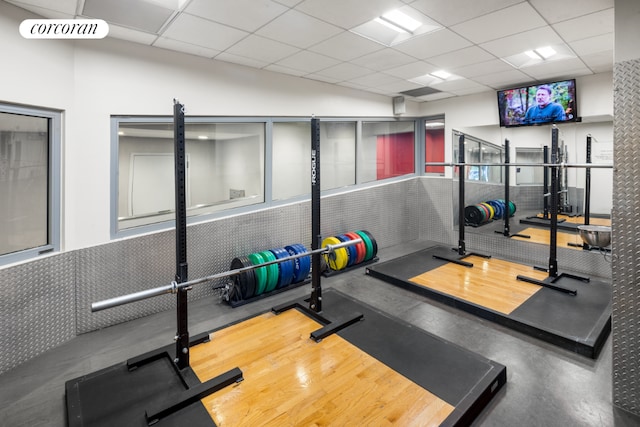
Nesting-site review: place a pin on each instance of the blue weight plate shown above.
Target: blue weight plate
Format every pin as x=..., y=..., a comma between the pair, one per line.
x=351, y=250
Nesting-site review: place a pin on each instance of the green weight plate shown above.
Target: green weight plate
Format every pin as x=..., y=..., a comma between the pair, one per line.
x=374, y=244
x=272, y=271
x=260, y=272
x=367, y=244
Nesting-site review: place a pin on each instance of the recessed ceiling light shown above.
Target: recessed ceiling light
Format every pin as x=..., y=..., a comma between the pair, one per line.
x=203, y=137
x=402, y=20
x=441, y=74
x=391, y=25
x=546, y=51
x=531, y=54
x=120, y=133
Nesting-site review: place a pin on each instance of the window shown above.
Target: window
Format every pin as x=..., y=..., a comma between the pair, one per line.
x=29, y=182
x=479, y=151
x=224, y=169
x=434, y=145
x=387, y=150
x=529, y=175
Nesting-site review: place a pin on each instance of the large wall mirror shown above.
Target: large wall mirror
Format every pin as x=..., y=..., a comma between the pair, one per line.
x=485, y=184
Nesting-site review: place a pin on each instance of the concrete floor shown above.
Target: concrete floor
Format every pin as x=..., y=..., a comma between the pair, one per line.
x=546, y=385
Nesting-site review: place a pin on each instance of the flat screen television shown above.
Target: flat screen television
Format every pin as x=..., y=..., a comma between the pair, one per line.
x=553, y=102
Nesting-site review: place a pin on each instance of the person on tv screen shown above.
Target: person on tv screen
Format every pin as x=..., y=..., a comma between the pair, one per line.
x=545, y=110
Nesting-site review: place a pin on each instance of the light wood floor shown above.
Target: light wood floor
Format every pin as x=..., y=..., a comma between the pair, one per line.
x=580, y=220
x=490, y=283
x=543, y=236
x=290, y=380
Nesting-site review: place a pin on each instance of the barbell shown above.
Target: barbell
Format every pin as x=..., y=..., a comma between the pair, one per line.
x=561, y=165
x=173, y=287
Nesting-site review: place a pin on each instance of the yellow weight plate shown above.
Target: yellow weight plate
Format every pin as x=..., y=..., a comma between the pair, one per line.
x=340, y=257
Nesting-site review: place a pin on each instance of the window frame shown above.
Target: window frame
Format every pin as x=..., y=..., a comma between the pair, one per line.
x=53, y=182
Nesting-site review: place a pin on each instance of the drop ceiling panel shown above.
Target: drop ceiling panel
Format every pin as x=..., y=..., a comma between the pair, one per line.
x=561, y=69
x=600, y=62
x=179, y=46
x=202, y=32
x=586, y=26
x=346, y=46
x=375, y=79
x=433, y=44
x=247, y=15
x=505, y=22
x=412, y=70
x=556, y=11
x=383, y=59
x=309, y=62
x=345, y=71
x=347, y=13
x=139, y=15
x=504, y=79
x=66, y=7
x=521, y=42
x=595, y=44
x=128, y=34
x=261, y=49
x=298, y=29
x=462, y=57
x=284, y=70
x=241, y=60
x=481, y=68
x=451, y=12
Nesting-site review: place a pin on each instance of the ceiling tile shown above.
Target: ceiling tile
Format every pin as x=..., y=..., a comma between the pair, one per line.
x=433, y=44
x=462, y=57
x=346, y=46
x=503, y=79
x=179, y=46
x=505, y=22
x=130, y=35
x=521, y=42
x=451, y=12
x=482, y=68
x=145, y=16
x=347, y=13
x=586, y=26
x=289, y=3
x=375, y=79
x=345, y=71
x=321, y=78
x=604, y=42
x=284, y=70
x=383, y=59
x=436, y=96
x=555, y=11
x=65, y=7
x=298, y=29
x=242, y=60
x=568, y=68
x=308, y=62
x=248, y=15
x=262, y=49
x=471, y=90
x=398, y=86
x=412, y=70
x=191, y=29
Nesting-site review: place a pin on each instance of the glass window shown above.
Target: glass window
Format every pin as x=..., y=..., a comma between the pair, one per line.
x=225, y=169
x=529, y=175
x=479, y=151
x=29, y=182
x=434, y=145
x=337, y=154
x=387, y=150
x=291, y=176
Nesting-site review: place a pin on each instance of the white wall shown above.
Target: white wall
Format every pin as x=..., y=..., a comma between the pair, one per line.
x=91, y=80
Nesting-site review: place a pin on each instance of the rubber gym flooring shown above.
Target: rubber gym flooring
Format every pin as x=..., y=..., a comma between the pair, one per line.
x=565, y=222
x=379, y=371
x=579, y=323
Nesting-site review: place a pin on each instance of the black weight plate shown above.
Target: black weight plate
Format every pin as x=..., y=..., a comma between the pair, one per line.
x=244, y=281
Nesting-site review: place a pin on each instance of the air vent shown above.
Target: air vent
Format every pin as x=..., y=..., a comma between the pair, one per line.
x=421, y=91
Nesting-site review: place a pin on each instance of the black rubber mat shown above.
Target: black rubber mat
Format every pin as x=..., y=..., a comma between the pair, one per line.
x=579, y=323
x=462, y=378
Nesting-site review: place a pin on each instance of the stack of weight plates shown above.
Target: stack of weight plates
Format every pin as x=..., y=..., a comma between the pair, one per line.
x=350, y=256
x=482, y=213
x=262, y=280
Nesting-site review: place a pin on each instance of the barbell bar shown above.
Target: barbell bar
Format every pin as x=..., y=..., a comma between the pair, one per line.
x=561, y=165
x=174, y=286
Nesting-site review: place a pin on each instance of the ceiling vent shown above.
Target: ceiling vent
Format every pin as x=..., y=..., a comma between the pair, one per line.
x=421, y=91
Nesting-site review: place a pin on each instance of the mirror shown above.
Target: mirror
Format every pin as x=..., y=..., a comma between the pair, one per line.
x=485, y=185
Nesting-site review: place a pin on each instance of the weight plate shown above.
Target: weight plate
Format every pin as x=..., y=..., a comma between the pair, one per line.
x=368, y=244
x=361, y=250
x=339, y=258
x=285, y=268
x=492, y=212
x=240, y=281
x=351, y=250
x=305, y=262
x=472, y=215
x=374, y=244
x=485, y=212
x=299, y=265
x=260, y=272
x=272, y=271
